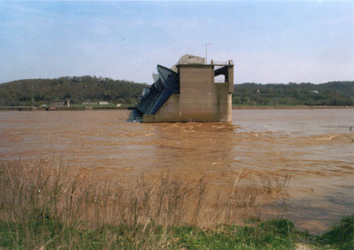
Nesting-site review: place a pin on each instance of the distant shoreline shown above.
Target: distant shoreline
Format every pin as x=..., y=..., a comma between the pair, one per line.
x=63, y=108
x=131, y=108
x=292, y=107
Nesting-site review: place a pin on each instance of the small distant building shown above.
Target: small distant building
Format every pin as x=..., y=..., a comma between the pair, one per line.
x=314, y=92
x=103, y=103
x=62, y=103
x=89, y=103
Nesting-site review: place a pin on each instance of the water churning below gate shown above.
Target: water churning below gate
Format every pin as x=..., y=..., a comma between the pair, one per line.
x=314, y=146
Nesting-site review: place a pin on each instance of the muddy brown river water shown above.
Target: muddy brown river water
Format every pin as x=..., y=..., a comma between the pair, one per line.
x=314, y=146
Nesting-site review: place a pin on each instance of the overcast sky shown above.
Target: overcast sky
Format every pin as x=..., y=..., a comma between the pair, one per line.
x=269, y=41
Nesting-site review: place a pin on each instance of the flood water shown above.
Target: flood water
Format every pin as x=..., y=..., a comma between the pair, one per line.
x=314, y=146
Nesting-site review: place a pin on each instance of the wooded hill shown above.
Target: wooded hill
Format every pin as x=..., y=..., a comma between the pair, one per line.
x=75, y=89
x=93, y=89
x=331, y=93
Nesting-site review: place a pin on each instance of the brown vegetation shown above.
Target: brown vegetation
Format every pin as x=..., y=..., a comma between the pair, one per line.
x=49, y=190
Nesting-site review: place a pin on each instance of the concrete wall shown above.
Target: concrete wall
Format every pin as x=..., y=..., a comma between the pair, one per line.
x=200, y=98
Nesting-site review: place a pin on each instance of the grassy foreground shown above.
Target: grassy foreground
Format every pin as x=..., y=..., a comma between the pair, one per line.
x=51, y=234
x=48, y=206
x=274, y=234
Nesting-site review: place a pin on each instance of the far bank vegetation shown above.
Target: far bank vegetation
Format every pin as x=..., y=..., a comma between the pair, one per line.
x=95, y=89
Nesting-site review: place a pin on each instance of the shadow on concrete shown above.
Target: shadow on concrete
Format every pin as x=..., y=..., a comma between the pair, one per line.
x=135, y=116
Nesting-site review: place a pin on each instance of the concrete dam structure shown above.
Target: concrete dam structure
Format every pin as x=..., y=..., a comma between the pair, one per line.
x=190, y=91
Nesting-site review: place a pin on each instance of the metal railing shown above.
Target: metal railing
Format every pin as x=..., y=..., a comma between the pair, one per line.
x=219, y=62
x=230, y=62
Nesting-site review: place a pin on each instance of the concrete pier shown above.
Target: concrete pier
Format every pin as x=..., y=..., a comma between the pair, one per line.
x=200, y=97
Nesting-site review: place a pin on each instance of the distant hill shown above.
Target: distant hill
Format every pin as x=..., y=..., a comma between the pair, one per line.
x=331, y=93
x=78, y=89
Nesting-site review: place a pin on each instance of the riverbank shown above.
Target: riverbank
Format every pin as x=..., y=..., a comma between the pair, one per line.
x=47, y=205
x=292, y=107
x=90, y=108
x=272, y=234
x=63, y=108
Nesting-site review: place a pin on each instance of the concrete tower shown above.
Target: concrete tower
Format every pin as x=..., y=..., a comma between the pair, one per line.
x=200, y=97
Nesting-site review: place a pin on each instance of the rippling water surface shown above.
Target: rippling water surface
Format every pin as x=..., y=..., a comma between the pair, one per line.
x=314, y=146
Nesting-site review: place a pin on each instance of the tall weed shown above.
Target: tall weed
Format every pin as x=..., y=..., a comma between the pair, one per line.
x=48, y=204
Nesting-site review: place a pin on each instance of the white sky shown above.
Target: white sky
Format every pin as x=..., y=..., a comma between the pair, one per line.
x=269, y=41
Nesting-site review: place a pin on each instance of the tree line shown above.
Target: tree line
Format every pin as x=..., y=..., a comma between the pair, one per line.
x=331, y=94
x=75, y=89
x=94, y=89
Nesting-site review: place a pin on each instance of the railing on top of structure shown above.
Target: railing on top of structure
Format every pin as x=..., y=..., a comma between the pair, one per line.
x=222, y=63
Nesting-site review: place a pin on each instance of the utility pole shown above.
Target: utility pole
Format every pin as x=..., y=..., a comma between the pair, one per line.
x=206, y=52
x=32, y=96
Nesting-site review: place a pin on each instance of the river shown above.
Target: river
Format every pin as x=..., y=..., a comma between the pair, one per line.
x=314, y=146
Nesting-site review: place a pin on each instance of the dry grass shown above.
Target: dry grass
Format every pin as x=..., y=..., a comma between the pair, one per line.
x=47, y=194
